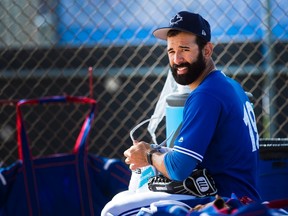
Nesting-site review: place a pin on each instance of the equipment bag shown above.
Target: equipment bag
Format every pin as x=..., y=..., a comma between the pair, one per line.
x=76, y=183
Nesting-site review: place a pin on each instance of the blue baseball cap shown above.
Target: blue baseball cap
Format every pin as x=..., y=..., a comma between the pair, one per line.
x=187, y=22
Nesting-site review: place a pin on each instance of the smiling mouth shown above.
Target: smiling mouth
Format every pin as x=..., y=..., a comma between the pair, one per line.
x=182, y=70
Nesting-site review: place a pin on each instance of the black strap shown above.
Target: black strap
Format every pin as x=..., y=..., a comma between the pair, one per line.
x=175, y=135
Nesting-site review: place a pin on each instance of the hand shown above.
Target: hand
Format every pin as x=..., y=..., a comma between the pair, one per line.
x=136, y=155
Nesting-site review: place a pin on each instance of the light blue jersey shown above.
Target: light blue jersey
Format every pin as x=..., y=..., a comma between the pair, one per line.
x=218, y=133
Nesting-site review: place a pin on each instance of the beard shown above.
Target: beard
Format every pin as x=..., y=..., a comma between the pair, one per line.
x=194, y=71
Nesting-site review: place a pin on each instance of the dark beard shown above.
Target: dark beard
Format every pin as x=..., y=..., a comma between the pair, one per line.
x=194, y=71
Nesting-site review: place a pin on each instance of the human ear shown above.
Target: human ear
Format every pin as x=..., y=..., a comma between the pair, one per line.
x=208, y=50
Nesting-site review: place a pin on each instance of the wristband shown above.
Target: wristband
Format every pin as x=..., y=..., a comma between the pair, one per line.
x=149, y=156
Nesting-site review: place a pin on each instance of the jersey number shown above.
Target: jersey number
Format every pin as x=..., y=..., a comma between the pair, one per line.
x=250, y=121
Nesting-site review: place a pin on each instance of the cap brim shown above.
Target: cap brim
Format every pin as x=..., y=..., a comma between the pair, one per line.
x=161, y=33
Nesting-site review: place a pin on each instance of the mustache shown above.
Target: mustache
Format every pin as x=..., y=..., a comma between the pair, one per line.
x=176, y=66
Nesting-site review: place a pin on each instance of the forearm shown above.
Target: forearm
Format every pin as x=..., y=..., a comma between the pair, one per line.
x=174, y=165
x=171, y=163
x=159, y=164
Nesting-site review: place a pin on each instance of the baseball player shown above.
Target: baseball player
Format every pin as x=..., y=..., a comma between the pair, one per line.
x=218, y=133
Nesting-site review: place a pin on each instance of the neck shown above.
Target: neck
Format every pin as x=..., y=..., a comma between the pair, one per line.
x=209, y=68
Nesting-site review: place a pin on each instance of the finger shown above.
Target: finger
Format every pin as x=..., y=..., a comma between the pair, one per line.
x=132, y=167
x=127, y=153
x=127, y=160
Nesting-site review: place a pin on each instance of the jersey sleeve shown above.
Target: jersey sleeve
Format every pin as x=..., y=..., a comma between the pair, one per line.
x=200, y=116
x=174, y=163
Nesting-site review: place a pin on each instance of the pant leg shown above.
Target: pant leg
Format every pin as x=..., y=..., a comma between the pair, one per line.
x=129, y=203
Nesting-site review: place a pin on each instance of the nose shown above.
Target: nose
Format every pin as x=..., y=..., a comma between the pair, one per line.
x=178, y=58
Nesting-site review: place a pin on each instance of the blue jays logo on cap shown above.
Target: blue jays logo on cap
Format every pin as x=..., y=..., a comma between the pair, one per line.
x=175, y=19
x=187, y=22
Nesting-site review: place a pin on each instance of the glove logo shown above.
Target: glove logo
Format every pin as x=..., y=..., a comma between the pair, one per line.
x=164, y=188
x=202, y=184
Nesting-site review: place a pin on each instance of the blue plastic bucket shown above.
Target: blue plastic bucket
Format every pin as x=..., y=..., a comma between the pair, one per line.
x=174, y=115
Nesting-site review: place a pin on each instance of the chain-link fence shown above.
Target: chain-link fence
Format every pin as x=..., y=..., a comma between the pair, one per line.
x=46, y=48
